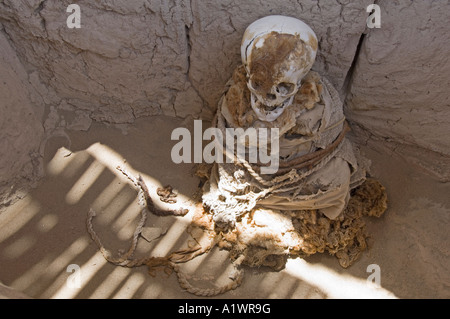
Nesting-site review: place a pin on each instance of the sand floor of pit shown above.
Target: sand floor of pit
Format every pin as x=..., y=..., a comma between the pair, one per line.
x=44, y=233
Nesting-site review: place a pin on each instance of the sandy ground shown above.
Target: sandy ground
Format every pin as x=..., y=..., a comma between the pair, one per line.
x=43, y=236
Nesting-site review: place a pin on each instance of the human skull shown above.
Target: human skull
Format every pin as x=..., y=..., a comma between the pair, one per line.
x=277, y=52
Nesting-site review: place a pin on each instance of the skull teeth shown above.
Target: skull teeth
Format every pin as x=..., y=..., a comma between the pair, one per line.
x=269, y=113
x=270, y=108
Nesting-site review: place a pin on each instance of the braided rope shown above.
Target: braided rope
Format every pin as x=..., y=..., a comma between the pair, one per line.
x=236, y=277
x=124, y=260
x=172, y=260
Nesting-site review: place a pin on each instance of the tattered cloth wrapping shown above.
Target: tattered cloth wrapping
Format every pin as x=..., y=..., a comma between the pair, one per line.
x=316, y=200
x=310, y=125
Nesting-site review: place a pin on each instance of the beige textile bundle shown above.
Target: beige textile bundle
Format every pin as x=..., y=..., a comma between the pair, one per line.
x=301, y=209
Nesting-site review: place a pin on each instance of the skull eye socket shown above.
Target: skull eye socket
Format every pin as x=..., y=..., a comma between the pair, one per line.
x=285, y=88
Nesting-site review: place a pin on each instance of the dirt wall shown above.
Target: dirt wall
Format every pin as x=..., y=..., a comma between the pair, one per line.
x=137, y=58
x=21, y=131
x=400, y=84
